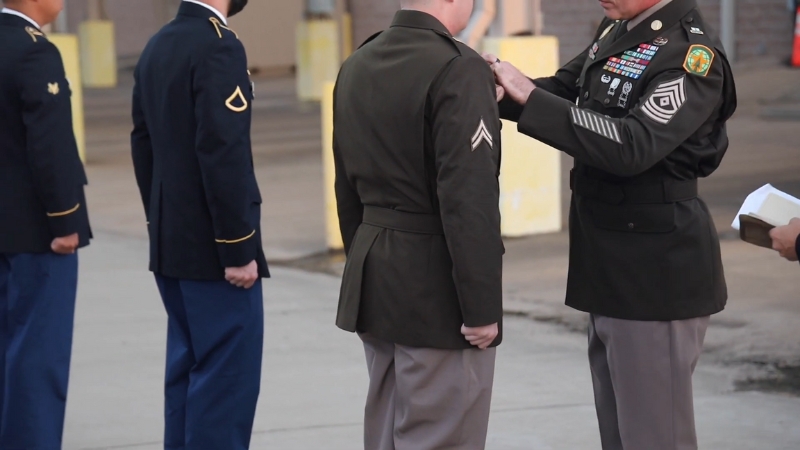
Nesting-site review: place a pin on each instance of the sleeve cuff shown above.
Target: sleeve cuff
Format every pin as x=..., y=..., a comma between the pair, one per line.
x=65, y=223
x=797, y=245
x=238, y=252
x=540, y=112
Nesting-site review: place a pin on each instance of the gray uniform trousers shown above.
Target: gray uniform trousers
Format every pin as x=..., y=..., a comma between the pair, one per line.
x=425, y=398
x=642, y=376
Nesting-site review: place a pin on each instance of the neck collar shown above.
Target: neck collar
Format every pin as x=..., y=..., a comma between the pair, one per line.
x=216, y=12
x=19, y=14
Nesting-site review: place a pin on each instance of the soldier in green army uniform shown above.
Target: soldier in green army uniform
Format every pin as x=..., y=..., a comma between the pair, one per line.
x=417, y=155
x=643, y=111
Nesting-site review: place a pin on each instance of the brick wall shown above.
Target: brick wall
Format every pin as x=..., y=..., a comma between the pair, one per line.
x=764, y=27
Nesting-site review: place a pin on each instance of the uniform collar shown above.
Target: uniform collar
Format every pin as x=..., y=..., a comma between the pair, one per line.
x=19, y=14
x=647, y=13
x=410, y=18
x=668, y=15
x=187, y=8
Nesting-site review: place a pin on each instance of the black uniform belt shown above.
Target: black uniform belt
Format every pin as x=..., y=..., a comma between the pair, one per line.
x=403, y=221
x=668, y=191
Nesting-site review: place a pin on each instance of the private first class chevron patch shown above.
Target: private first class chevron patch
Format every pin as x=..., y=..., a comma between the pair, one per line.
x=482, y=134
x=665, y=102
x=596, y=123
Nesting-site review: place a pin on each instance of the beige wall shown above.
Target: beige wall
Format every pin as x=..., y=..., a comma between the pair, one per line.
x=267, y=28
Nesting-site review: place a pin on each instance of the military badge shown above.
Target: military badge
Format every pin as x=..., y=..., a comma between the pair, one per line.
x=614, y=85
x=593, y=50
x=237, y=95
x=605, y=78
x=660, y=41
x=482, y=134
x=698, y=60
x=596, y=123
x=623, y=97
x=665, y=102
x=33, y=32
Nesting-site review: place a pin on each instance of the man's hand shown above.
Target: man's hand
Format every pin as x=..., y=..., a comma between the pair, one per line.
x=501, y=93
x=243, y=277
x=481, y=337
x=65, y=245
x=515, y=83
x=784, y=239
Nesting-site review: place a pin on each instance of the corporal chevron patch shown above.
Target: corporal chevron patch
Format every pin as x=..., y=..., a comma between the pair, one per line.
x=482, y=134
x=665, y=102
x=596, y=123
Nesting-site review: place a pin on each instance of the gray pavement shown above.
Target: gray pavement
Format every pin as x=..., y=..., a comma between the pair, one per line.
x=314, y=375
x=314, y=379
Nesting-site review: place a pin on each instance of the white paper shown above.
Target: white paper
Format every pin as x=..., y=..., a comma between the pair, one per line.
x=755, y=201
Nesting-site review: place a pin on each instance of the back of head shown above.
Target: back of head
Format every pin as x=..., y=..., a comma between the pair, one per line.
x=43, y=12
x=453, y=14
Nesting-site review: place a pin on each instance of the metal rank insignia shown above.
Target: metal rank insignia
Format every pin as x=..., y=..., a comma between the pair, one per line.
x=632, y=63
x=593, y=51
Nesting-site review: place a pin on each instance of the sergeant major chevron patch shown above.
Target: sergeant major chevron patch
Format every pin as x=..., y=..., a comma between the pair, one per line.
x=482, y=134
x=666, y=101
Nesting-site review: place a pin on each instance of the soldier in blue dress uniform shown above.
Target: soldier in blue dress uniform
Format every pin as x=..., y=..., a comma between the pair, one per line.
x=43, y=221
x=194, y=167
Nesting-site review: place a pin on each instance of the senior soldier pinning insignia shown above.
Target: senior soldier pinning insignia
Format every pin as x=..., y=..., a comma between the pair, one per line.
x=644, y=254
x=194, y=167
x=418, y=198
x=43, y=223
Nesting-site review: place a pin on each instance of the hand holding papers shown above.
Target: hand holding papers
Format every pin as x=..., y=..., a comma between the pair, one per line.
x=763, y=210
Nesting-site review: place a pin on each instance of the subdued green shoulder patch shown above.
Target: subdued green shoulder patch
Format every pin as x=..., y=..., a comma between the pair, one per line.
x=698, y=60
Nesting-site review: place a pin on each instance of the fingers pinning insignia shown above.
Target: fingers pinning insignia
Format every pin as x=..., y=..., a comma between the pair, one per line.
x=666, y=101
x=596, y=123
x=53, y=88
x=237, y=95
x=698, y=60
x=482, y=134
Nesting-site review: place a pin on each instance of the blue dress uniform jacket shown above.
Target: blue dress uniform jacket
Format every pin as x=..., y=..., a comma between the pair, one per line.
x=417, y=155
x=649, y=120
x=191, y=149
x=41, y=175
x=41, y=197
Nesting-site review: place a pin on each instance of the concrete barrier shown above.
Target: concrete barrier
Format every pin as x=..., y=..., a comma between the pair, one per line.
x=98, y=53
x=530, y=176
x=318, y=56
x=333, y=236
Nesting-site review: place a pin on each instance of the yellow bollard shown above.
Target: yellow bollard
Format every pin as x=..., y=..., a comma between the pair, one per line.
x=98, y=54
x=530, y=176
x=318, y=57
x=68, y=46
x=333, y=236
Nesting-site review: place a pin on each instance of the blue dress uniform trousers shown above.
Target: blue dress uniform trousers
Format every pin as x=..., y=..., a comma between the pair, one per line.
x=37, y=311
x=214, y=346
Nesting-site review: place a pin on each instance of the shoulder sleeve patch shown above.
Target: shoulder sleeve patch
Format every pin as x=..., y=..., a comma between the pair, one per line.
x=698, y=60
